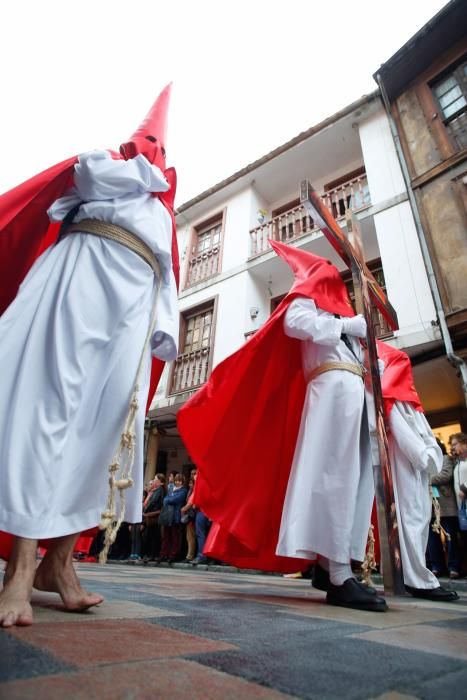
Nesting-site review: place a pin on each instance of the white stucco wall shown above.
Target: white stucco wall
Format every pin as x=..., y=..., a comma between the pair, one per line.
x=382, y=167
x=404, y=271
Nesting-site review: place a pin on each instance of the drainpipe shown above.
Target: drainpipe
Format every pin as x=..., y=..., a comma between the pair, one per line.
x=454, y=359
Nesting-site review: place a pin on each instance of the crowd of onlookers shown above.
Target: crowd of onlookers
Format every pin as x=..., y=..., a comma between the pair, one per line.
x=447, y=550
x=173, y=528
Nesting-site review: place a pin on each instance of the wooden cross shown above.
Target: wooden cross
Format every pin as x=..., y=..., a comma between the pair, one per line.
x=367, y=292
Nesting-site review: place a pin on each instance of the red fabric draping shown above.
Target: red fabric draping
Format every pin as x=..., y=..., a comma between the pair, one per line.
x=241, y=428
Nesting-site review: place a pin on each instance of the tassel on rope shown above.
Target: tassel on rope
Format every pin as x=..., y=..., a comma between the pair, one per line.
x=121, y=467
x=437, y=527
x=369, y=563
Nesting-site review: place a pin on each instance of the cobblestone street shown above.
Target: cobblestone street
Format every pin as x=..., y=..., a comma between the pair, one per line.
x=214, y=634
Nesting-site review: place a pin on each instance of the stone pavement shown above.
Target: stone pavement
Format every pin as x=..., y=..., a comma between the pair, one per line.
x=173, y=633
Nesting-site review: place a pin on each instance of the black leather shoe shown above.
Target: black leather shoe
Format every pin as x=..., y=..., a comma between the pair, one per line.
x=440, y=593
x=320, y=578
x=353, y=594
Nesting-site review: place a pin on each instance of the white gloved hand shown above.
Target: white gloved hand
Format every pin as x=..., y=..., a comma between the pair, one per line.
x=380, y=367
x=355, y=326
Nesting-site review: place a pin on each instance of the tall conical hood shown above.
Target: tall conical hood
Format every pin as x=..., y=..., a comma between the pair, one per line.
x=317, y=278
x=149, y=138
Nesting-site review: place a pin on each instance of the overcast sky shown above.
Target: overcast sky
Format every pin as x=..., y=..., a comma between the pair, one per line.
x=248, y=75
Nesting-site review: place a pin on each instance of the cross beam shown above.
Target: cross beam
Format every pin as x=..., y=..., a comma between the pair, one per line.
x=367, y=292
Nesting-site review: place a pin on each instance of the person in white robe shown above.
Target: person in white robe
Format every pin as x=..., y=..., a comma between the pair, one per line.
x=70, y=346
x=415, y=457
x=330, y=490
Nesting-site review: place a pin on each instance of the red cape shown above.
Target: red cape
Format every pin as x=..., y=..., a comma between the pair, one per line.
x=26, y=232
x=241, y=428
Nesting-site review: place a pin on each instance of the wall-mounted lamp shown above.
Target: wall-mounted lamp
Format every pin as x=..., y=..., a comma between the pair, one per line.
x=254, y=311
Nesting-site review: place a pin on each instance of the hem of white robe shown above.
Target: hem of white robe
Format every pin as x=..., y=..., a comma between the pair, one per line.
x=60, y=525
x=311, y=552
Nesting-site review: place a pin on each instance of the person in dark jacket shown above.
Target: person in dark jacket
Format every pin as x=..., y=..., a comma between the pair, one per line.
x=151, y=509
x=442, y=485
x=172, y=536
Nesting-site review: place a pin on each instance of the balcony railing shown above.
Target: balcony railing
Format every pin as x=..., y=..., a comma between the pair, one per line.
x=292, y=224
x=190, y=370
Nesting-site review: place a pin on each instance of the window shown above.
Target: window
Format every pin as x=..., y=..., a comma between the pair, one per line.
x=450, y=92
x=204, y=260
x=193, y=364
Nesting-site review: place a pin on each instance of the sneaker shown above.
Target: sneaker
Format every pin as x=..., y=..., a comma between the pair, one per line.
x=454, y=574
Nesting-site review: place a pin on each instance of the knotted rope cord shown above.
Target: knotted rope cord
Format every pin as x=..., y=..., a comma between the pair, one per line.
x=437, y=527
x=121, y=466
x=369, y=563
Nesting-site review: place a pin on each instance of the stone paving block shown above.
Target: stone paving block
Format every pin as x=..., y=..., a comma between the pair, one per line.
x=400, y=612
x=110, y=642
x=21, y=660
x=49, y=608
x=341, y=668
x=436, y=640
x=177, y=678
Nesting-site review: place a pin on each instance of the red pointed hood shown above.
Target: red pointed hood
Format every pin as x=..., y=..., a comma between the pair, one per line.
x=149, y=138
x=317, y=278
x=397, y=382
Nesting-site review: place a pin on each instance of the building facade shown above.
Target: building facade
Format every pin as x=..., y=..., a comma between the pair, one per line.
x=424, y=86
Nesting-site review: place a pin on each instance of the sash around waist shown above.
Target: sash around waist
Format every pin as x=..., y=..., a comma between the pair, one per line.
x=329, y=366
x=116, y=233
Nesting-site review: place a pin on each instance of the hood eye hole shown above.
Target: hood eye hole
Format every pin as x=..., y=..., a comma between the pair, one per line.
x=151, y=138
x=163, y=151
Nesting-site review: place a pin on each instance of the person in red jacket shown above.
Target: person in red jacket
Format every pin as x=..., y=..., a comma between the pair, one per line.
x=79, y=327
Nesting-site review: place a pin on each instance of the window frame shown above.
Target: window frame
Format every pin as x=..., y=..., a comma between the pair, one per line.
x=201, y=227
x=211, y=302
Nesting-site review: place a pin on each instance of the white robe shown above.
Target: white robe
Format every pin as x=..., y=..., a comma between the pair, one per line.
x=415, y=457
x=70, y=344
x=330, y=491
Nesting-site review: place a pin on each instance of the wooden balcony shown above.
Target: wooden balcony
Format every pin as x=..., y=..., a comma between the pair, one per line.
x=292, y=224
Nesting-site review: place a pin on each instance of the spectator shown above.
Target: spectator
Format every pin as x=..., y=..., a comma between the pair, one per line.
x=202, y=527
x=151, y=509
x=135, y=537
x=172, y=537
x=170, y=484
x=442, y=485
x=458, y=443
x=188, y=518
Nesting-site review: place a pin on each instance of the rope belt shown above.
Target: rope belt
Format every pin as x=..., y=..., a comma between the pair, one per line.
x=329, y=366
x=116, y=233
x=121, y=466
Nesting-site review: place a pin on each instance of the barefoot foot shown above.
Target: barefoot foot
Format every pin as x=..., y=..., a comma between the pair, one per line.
x=15, y=608
x=54, y=577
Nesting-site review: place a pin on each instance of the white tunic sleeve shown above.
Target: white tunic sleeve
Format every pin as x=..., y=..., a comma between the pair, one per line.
x=164, y=342
x=98, y=176
x=303, y=321
x=412, y=433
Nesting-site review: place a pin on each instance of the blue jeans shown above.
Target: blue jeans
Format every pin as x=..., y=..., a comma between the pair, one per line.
x=202, y=526
x=435, y=546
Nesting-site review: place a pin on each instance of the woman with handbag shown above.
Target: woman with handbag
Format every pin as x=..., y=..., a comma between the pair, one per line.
x=171, y=518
